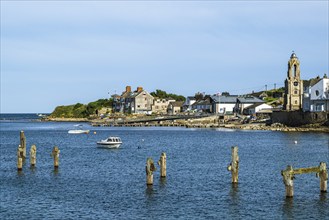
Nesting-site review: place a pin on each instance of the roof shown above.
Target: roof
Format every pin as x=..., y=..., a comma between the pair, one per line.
x=225, y=99
x=177, y=104
x=249, y=99
x=202, y=102
x=191, y=97
x=311, y=82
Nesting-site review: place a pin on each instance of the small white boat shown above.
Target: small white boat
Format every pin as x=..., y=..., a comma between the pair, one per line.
x=78, y=131
x=110, y=142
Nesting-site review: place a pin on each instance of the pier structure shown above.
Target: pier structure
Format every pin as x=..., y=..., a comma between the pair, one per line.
x=289, y=175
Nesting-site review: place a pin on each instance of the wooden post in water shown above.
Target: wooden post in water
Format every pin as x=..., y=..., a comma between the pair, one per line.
x=163, y=165
x=19, y=158
x=323, y=174
x=149, y=171
x=234, y=165
x=23, y=143
x=288, y=180
x=288, y=177
x=55, y=155
x=33, y=155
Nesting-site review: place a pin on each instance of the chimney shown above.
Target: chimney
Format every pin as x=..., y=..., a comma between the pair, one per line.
x=139, y=89
x=128, y=88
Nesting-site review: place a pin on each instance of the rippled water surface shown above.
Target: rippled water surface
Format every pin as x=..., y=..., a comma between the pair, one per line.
x=111, y=184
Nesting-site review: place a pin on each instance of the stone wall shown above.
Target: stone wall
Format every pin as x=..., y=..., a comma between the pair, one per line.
x=298, y=118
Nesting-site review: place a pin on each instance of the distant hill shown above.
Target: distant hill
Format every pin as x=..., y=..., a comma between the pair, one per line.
x=80, y=110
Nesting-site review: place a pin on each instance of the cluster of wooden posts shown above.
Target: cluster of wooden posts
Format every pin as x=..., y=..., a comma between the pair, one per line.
x=288, y=174
x=150, y=168
x=21, y=154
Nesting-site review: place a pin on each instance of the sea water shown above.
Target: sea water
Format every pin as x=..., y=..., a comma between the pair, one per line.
x=97, y=183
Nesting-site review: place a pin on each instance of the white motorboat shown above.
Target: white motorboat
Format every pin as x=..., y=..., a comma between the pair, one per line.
x=110, y=142
x=79, y=130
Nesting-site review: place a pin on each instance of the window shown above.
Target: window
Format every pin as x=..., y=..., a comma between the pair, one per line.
x=317, y=93
x=296, y=102
x=295, y=92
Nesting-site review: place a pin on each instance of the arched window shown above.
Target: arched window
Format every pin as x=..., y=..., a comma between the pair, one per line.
x=295, y=70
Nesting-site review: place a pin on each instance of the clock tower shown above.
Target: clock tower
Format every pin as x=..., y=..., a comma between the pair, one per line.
x=293, y=98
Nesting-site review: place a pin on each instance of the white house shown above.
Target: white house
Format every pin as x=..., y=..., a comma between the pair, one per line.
x=258, y=107
x=316, y=96
x=190, y=100
x=319, y=96
x=224, y=104
x=245, y=101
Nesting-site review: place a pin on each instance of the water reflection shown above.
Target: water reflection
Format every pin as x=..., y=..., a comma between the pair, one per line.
x=149, y=191
x=163, y=182
x=234, y=193
x=288, y=208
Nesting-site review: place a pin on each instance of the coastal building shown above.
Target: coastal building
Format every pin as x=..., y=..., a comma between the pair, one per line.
x=316, y=95
x=258, y=108
x=203, y=105
x=175, y=107
x=243, y=102
x=190, y=100
x=139, y=101
x=223, y=104
x=160, y=106
x=293, y=98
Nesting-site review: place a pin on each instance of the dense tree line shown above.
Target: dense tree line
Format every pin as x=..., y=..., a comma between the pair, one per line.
x=164, y=95
x=80, y=110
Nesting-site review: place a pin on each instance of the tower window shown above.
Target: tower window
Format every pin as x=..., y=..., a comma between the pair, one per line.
x=295, y=92
x=295, y=70
x=296, y=102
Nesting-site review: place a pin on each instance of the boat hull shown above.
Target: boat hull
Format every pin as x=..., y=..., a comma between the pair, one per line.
x=78, y=131
x=107, y=145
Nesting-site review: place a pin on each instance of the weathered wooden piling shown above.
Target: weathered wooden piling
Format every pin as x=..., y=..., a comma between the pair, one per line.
x=163, y=164
x=55, y=155
x=288, y=180
x=288, y=177
x=150, y=167
x=19, y=158
x=234, y=165
x=323, y=174
x=33, y=155
x=23, y=143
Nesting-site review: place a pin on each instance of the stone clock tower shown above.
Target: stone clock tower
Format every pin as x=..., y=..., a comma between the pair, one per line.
x=293, y=98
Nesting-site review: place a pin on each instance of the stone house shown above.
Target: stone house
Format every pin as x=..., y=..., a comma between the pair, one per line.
x=139, y=101
x=160, y=106
x=175, y=107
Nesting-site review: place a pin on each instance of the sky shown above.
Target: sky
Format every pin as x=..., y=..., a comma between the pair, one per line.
x=64, y=52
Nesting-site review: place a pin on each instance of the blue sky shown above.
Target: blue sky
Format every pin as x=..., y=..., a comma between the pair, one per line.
x=63, y=52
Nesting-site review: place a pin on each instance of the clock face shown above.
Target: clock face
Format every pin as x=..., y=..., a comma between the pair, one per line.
x=295, y=83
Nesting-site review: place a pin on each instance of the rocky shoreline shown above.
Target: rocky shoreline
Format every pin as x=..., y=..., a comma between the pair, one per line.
x=208, y=122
